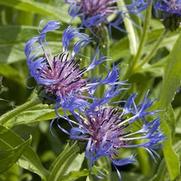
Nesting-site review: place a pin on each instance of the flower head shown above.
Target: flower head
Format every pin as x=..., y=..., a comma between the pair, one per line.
x=108, y=128
x=96, y=12
x=171, y=13
x=169, y=6
x=92, y=12
x=60, y=76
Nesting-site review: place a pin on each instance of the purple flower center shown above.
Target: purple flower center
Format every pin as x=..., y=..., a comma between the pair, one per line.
x=104, y=132
x=65, y=75
x=95, y=7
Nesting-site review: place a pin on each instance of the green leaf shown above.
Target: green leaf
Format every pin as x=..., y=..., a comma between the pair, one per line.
x=178, y=120
x=172, y=76
x=171, y=81
x=161, y=172
x=167, y=125
x=131, y=32
x=10, y=156
x=120, y=49
x=156, y=69
x=11, y=73
x=76, y=164
x=103, y=166
x=12, y=34
x=41, y=112
x=15, y=112
x=39, y=8
x=62, y=163
x=75, y=175
x=29, y=159
x=13, y=38
x=12, y=174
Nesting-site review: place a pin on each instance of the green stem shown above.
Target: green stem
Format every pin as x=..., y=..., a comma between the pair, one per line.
x=104, y=46
x=142, y=42
x=132, y=34
x=108, y=43
x=7, y=116
x=154, y=50
x=144, y=35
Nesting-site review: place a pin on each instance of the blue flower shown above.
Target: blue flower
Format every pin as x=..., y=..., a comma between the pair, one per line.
x=96, y=12
x=108, y=129
x=169, y=6
x=170, y=13
x=60, y=76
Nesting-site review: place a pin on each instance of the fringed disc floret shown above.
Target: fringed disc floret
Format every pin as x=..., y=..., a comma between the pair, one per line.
x=65, y=74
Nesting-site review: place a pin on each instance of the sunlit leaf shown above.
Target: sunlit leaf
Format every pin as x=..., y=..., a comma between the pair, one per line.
x=75, y=175
x=33, y=115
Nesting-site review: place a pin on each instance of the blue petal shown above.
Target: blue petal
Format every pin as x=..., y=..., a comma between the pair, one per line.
x=74, y=10
x=130, y=106
x=139, y=111
x=34, y=66
x=80, y=44
x=94, y=20
x=96, y=61
x=29, y=46
x=138, y=6
x=71, y=102
x=163, y=6
x=95, y=83
x=112, y=76
x=112, y=92
x=77, y=133
x=153, y=126
x=71, y=33
x=109, y=94
x=124, y=161
x=116, y=24
x=50, y=26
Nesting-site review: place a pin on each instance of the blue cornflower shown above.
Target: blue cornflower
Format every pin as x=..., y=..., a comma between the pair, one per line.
x=170, y=13
x=96, y=12
x=109, y=128
x=169, y=6
x=60, y=76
